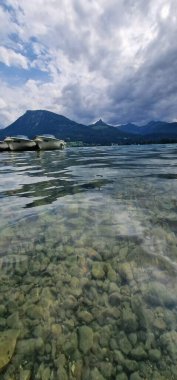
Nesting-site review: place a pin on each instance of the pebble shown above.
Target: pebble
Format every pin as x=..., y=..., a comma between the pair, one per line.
x=2, y=310
x=124, y=344
x=129, y=320
x=8, y=340
x=115, y=299
x=122, y=376
x=139, y=353
x=135, y=376
x=98, y=271
x=85, y=338
x=25, y=374
x=154, y=355
x=96, y=375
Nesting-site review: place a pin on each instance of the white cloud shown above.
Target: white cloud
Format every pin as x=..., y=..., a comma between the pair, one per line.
x=165, y=11
x=109, y=58
x=2, y=104
x=7, y=26
x=10, y=58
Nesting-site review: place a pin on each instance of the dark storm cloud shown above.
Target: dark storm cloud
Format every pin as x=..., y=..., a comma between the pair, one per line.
x=151, y=91
x=116, y=60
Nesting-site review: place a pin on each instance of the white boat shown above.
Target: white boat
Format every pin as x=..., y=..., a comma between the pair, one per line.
x=3, y=146
x=45, y=142
x=20, y=142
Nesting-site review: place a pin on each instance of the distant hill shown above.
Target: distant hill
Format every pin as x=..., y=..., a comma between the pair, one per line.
x=130, y=128
x=153, y=128
x=38, y=122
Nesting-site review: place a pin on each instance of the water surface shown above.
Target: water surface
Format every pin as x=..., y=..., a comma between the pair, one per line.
x=88, y=264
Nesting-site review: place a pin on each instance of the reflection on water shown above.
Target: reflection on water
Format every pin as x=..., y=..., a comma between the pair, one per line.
x=88, y=264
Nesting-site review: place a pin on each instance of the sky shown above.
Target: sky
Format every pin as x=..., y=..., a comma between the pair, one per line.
x=89, y=59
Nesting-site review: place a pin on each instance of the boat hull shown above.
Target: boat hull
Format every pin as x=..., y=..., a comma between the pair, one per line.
x=21, y=145
x=50, y=145
x=3, y=146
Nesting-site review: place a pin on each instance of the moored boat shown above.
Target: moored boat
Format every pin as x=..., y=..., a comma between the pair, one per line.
x=3, y=146
x=49, y=142
x=20, y=142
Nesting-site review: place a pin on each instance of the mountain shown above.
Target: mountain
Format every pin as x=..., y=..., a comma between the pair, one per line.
x=100, y=124
x=38, y=122
x=130, y=128
x=154, y=129
x=161, y=128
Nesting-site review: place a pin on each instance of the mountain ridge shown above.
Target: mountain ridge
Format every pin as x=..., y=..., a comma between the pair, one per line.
x=35, y=122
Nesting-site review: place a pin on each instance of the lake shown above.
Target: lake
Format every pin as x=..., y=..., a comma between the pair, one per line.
x=88, y=264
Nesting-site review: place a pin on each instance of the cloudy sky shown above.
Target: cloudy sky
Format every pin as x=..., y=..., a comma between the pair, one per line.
x=88, y=59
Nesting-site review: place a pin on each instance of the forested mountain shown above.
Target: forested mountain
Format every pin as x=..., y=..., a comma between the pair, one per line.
x=38, y=122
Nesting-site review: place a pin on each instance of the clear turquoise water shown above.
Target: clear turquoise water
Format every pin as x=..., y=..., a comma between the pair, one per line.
x=88, y=264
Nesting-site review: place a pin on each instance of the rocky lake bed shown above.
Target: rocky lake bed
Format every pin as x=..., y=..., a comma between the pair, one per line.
x=88, y=264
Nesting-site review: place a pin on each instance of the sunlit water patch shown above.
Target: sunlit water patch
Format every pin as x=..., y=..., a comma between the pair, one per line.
x=88, y=264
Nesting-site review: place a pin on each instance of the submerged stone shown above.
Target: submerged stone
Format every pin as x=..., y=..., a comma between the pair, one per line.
x=29, y=346
x=130, y=365
x=129, y=320
x=85, y=338
x=8, y=340
x=139, y=353
x=122, y=376
x=150, y=339
x=118, y=357
x=135, y=376
x=124, y=344
x=126, y=271
x=62, y=374
x=169, y=343
x=25, y=374
x=98, y=271
x=45, y=375
x=123, y=253
x=35, y=312
x=2, y=323
x=154, y=355
x=75, y=287
x=133, y=338
x=158, y=294
x=56, y=329
x=76, y=369
x=71, y=344
x=60, y=361
x=115, y=299
x=85, y=316
x=140, y=311
x=13, y=321
x=106, y=369
x=159, y=324
x=96, y=375
x=113, y=287
x=2, y=310
x=111, y=273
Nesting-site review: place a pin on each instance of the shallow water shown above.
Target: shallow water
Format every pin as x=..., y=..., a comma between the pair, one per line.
x=88, y=264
